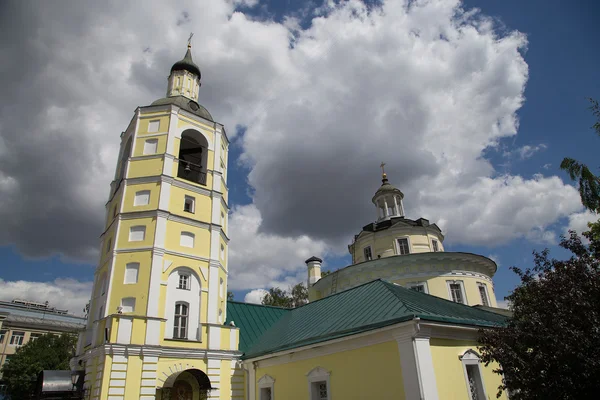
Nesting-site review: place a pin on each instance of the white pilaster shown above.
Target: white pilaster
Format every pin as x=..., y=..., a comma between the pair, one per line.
x=386, y=210
x=417, y=367
x=396, y=209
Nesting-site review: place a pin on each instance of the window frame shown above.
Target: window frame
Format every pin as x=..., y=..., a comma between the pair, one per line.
x=193, y=204
x=316, y=376
x=140, y=228
x=178, y=318
x=370, y=257
x=35, y=335
x=15, y=334
x=187, y=281
x=462, y=291
x=266, y=382
x=150, y=147
x=3, y=333
x=435, y=244
x=138, y=195
x=157, y=121
x=190, y=236
x=412, y=285
x=481, y=285
x=397, y=242
x=472, y=358
x=131, y=266
x=132, y=304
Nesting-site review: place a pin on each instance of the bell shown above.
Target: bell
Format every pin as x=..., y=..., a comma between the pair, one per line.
x=187, y=169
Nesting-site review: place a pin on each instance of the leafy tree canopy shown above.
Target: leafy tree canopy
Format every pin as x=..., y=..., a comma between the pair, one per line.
x=230, y=296
x=297, y=296
x=48, y=352
x=550, y=348
x=589, y=184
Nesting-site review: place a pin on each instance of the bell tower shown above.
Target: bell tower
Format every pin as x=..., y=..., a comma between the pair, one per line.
x=159, y=297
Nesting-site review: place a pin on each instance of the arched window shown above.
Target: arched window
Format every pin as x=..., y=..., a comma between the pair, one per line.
x=472, y=369
x=193, y=156
x=180, y=323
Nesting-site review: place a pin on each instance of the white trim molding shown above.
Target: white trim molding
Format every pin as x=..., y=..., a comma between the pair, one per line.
x=462, y=290
x=266, y=382
x=315, y=377
x=472, y=369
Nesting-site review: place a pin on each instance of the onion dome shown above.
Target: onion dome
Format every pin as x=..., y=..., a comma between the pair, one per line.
x=187, y=64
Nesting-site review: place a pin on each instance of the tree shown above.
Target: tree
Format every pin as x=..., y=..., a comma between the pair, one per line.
x=549, y=348
x=297, y=296
x=589, y=184
x=46, y=352
x=230, y=296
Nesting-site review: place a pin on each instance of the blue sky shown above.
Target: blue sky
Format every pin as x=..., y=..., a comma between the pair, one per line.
x=553, y=121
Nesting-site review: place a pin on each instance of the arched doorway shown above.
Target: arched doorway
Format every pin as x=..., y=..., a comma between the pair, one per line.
x=190, y=384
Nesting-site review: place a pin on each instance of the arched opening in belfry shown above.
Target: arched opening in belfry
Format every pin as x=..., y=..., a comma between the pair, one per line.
x=189, y=384
x=123, y=161
x=193, y=157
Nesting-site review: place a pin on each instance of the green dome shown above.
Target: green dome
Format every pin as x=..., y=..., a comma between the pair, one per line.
x=386, y=188
x=187, y=64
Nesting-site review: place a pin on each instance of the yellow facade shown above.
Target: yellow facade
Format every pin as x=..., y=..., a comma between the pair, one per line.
x=159, y=295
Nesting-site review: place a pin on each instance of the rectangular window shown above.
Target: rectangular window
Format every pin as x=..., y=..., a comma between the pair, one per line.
x=367, y=253
x=186, y=239
x=184, y=282
x=153, y=126
x=137, y=233
x=34, y=336
x=403, y=246
x=319, y=391
x=181, y=321
x=418, y=287
x=188, y=204
x=483, y=293
x=17, y=338
x=435, y=245
x=150, y=146
x=128, y=304
x=266, y=394
x=131, y=273
x=142, y=198
x=456, y=292
x=2, y=335
x=475, y=382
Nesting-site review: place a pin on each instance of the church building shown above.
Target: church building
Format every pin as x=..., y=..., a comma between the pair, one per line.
x=400, y=322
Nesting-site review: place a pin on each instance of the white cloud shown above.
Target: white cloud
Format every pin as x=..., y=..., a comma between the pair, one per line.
x=259, y=259
x=503, y=304
x=66, y=294
x=527, y=151
x=426, y=88
x=578, y=222
x=255, y=296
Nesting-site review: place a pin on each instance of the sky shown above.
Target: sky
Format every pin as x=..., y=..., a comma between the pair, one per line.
x=472, y=105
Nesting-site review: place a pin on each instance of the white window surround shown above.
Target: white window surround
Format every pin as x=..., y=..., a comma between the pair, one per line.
x=484, y=301
x=367, y=253
x=187, y=239
x=266, y=382
x=17, y=337
x=397, y=245
x=411, y=285
x=315, y=376
x=137, y=233
x=470, y=360
x=189, y=204
x=142, y=198
x=153, y=126
x=462, y=290
x=191, y=297
x=128, y=304
x=150, y=146
x=131, y=273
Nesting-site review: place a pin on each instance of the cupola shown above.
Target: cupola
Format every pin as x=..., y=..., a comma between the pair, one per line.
x=184, y=79
x=388, y=200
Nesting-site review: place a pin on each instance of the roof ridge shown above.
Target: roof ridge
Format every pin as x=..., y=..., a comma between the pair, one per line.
x=258, y=305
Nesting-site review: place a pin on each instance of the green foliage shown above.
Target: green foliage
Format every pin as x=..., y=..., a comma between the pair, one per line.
x=297, y=296
x=550, y=348
x=589, y=184
x=230, y=296
x=48, y=352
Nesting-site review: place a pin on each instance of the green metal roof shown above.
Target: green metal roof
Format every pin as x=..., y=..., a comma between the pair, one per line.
x=369, y=306
x=253, y=320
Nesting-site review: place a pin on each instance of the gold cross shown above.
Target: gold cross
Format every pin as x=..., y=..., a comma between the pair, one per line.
x=190, y=40
x=382, y=167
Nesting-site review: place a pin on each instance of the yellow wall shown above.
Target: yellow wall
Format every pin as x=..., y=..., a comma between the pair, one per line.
x=130, y=192
x=371, y=372
x=146, y=167
x=383, y=243
x=202, y=209
x=145, y=118
x=138, y=290
x=449, y=372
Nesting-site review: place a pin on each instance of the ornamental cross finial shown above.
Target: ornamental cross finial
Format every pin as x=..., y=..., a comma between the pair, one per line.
x=382, y=168
x=190, y=40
